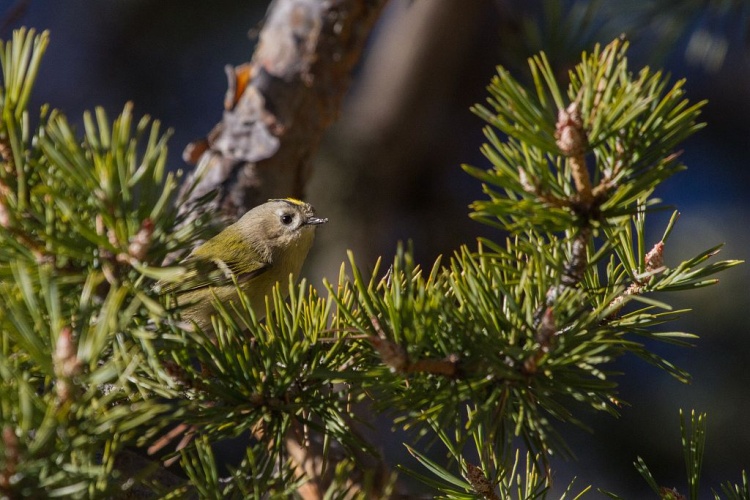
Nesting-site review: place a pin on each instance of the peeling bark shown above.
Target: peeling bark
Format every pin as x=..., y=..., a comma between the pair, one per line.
x=279, y=105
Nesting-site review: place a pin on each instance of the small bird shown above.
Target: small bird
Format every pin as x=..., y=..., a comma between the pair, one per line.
x=263, y=247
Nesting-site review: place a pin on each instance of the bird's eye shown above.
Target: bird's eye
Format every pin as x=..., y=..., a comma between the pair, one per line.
x=286, y=219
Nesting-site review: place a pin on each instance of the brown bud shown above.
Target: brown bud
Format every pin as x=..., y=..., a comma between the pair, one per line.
x=655, y=258
x=4, y=216
x=479, y=482
x=112, y=237
x=569, y=132
x=12, y=457
x=141, y=242
x=66, y=363
x=546, y=331
x=572, y=141
x=671, y=494
x=393, y=355
x=526, y=183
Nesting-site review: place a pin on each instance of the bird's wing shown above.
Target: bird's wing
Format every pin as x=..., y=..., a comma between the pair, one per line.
x=203, y=273
x=204, y=269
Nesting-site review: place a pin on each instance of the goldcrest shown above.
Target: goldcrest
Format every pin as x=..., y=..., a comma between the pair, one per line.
x=264, y=247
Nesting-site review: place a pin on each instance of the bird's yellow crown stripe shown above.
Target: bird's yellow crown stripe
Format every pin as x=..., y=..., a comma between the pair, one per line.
x=292, y=201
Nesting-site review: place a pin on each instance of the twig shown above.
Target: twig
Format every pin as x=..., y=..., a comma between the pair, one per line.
x=654, y=265
x=396, y=358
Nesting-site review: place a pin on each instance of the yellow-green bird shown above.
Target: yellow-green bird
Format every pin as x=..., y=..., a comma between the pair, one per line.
x=265, y=246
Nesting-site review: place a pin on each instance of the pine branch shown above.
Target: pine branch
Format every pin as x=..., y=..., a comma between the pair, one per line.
x=86, y=226
x=524, y=332
x=498, y=342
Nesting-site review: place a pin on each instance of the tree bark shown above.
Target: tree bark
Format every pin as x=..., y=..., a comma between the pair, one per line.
x=279, y=105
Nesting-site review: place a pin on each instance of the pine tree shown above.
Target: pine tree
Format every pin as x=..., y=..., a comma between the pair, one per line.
x=507, y=339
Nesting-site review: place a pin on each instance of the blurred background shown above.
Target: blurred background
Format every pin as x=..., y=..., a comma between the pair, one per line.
x=389, y=169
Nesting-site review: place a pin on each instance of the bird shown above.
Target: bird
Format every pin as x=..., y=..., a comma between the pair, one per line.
x=266, y=245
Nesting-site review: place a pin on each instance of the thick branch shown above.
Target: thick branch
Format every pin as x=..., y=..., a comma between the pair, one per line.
x=278, y=105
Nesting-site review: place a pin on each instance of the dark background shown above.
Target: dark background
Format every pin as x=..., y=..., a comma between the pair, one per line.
x=389, y=169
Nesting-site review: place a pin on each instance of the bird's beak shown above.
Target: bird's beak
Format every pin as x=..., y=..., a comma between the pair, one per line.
x=314, y=221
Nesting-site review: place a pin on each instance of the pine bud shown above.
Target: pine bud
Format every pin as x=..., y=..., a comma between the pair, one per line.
x=570, y=135
x=66, y=364
x=393, y=355
x=12, y=455
x=479, y=482
x=4, y=216
x=526, y=183
x=655, y=258
x=141, y=242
